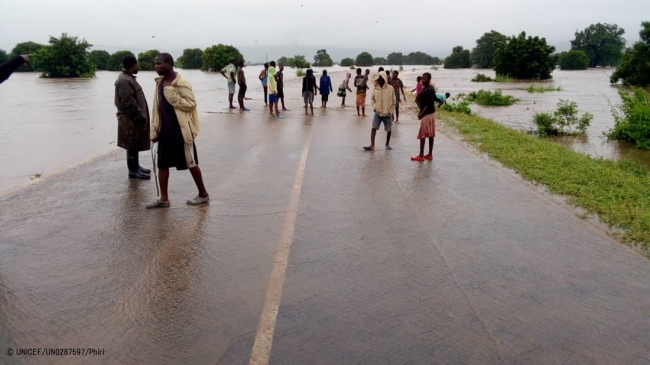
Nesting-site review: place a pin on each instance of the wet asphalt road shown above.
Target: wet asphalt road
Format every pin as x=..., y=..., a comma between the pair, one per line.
x=391, y=261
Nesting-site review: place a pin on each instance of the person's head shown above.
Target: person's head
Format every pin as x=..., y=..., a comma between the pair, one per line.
x=164, y=64
x=130, y=64
x=388, y=73
x=380, y=69
x=426, y=79
x=324, y=72
x=419, y=78
x=272, y=63
x=310, y=73
x=281, y=67
x=447, y=95
x=232, y=60
x=266, y=66
x=359, y=71
x=367, y=71
x=395, y=73
x=240, y=63
x=381, y=81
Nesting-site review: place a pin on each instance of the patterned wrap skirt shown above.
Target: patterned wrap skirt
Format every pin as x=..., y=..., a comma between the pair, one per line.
x=427, y=126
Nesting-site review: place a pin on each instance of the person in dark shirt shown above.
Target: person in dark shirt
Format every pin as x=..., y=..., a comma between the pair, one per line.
x=7, y=68
x=360, y=82
x=426, y=101
x=309, y=89
x=279, y=76
x=325, y=89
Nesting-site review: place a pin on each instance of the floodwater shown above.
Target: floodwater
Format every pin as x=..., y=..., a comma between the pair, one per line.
x=52, y=124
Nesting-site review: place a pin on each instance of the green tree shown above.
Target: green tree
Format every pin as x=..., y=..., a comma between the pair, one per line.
x=603, y=44
x=65, y=57
x=300, y=61
x=483, y=53
x=322, y=59
x=114, y=63
x=524, y=58
x=4, y=57
x=634, y=68
x=216, y=57
x=395, y=58
x=459, y=58
x=346, y=62
x=284, y=61
x=417, y=58
x=192, y=59
x=364, y=59
x=573, y=60
x=99, y=58
x=25, y=48
x=437, y=61
x=379, y=61
x=147, y=59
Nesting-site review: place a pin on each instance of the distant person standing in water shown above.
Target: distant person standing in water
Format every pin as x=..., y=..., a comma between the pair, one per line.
x=273, y=92
x=264, y=77
x=345, y=85
x=132, y=118
x=175, y=125
x=309, y=89
x=426, y=101
x=279, y=77
x=7, y=68
x=325, y=89
x=229, y=73
x=397, y=85
x=241, y=81
x=362, y=87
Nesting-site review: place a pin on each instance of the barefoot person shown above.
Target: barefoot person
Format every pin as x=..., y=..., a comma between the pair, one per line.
x=309, y=89
x=383, y=102
x=229, y=73
x=264, y=77
x=132, y=118
x=345, y=85
x=273, y=92
x=241, y=81
x=360, y=82
x=426, y=101
x=174, y=125
x=325, y=89
x=279, y=77
x=397, y=85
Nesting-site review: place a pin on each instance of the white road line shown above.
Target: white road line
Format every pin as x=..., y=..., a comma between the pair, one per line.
x=266, y=327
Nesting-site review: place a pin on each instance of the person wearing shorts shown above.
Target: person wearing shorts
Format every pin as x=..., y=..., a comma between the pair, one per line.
x=361, y=83
x=241, y=80
x=325, y=89
x=229, y=73
x=309, y=89
x=383, y=102
x=273, y=92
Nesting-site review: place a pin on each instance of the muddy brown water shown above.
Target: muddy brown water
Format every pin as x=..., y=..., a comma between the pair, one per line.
x=49, y=125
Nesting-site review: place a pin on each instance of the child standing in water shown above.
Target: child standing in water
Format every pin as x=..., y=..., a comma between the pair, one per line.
x=345, y=85
x=426, y=101
x=309, y=89
x=325, y=89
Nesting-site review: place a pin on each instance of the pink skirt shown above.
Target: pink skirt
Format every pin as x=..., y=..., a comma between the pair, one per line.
x=427, y=126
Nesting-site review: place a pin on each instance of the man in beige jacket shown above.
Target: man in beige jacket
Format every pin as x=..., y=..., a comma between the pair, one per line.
x=383, y=103
x=175, y=125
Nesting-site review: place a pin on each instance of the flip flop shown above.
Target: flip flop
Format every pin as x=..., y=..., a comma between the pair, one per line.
x=388, y=147
x=198, y=200
x=417, y=158
x=428, y=157
x=158, y=204
x=368, y=148
x=280, y=116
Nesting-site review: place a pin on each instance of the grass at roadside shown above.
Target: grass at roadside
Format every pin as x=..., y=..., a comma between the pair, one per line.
x=618, y=191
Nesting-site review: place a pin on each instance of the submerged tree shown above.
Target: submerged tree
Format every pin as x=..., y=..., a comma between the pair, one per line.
x=65, y=57
x=114, y=63
x=346, y=62
x=634, y=68
x=364, y=59
x=524, y=57
x=603, y=44
x=25, y=48
x=573, y=60
x=217, y=57
x=322, y=59
x=147, y=59
x=459, y=58
x=395, y=58
x=192, y=59
x=483, y=53
x=379, y=61
x=99, y=58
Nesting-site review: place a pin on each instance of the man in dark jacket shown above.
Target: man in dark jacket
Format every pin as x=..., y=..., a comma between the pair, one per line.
x=132, y=118
x=7, y=68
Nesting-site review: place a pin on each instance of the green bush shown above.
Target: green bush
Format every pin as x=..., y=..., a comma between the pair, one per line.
x=147, y=60
x=524, y=58
x=482, y=78
x=460, y=107
x=501, y=78
x=488, y=97
x=346, y=62
x=634, y=68
x=65, y=57
x=99, y=58
x=364, y=59
x=114, y=63
x=573, y=60
x=300, y=72
x=633, y=119
x=541, y=88
x=459, y=58
x=216, y=57
x=562, y=121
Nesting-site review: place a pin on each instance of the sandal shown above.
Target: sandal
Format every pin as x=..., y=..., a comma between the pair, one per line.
x=158, y=204
x=388, y=147
x=417, y=158
x=198, y=200
x=368, y=148
x=428, y=157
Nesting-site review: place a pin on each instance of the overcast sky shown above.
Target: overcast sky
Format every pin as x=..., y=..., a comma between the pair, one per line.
x=344, y=27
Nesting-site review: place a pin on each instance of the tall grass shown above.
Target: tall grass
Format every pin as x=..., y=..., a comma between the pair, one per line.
x=541, y=88
x=489, y=97
x=300, y=72
x=504, y=79
x=482, y=78
x=633, y=119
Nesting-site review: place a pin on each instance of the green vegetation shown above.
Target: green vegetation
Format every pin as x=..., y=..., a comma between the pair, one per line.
x=602, y=43
x=504, y=79
x=541, y=88
x=364, y=59
x=347, y=62
x=4, y=57
x=322, y=59
x=573, y=60
x=618, y=191
x=483, y=53
x=459, y=58
x=192, y=59
x=460, y=107
x=65, y=57
x=562, y=121
x=216, y=57
x=353, y=67
x=413, y=58
x=524, y=58
x=379, y=61
x=634, y=68
x=99, y=58
x=26, y=48
x=489, y=97
x=300, y=72
x=297, y=61
x=147, y=59
x=482, y=78
x=633, y=119
x=114, y=63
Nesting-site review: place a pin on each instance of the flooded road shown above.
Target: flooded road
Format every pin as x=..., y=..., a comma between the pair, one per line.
x=50, y=124
x=370, y=257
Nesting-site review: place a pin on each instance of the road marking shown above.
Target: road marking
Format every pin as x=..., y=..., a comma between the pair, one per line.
x=266, y=327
